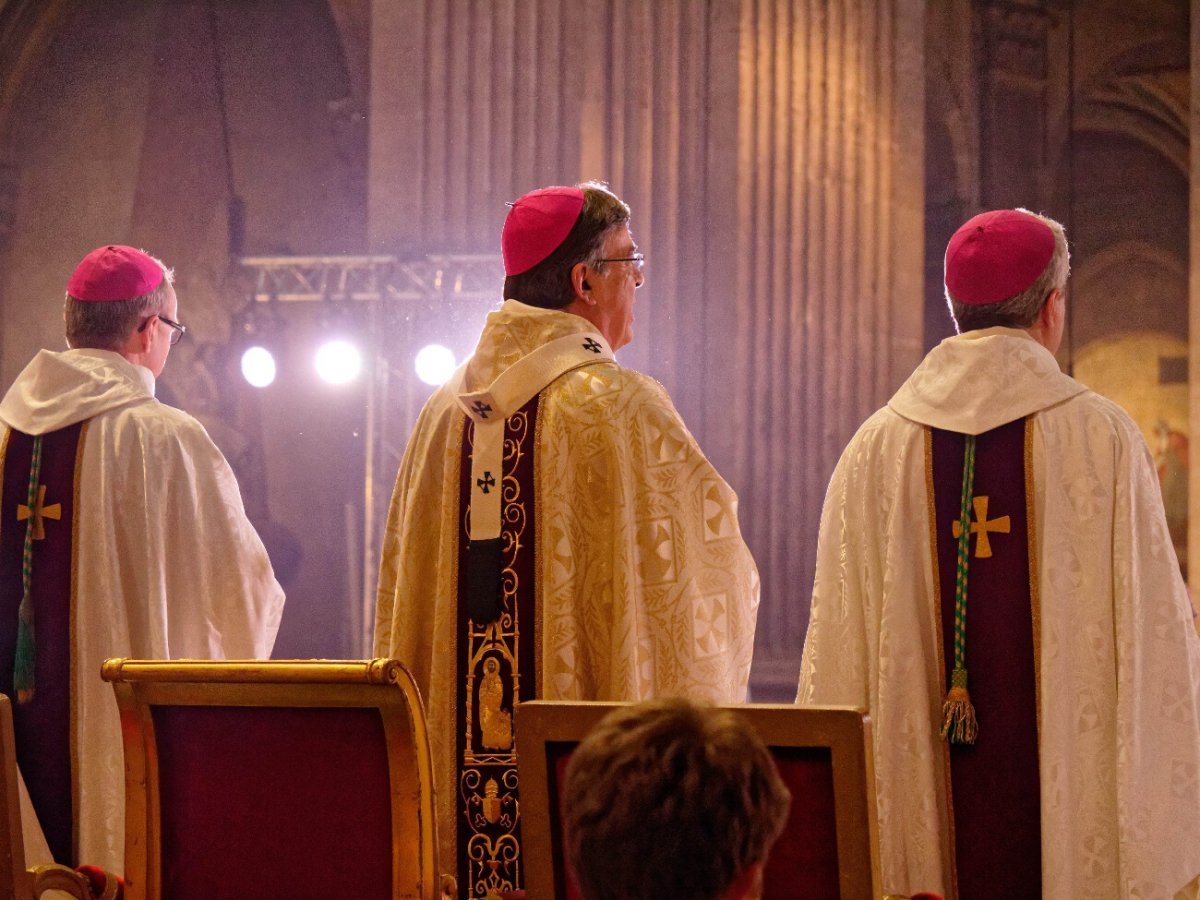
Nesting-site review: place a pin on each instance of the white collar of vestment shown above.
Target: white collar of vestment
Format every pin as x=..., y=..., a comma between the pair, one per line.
x=57, y=389
x=489, y=407
x=980, y=380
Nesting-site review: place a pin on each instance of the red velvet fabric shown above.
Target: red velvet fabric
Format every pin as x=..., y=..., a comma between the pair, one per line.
x=273, y=803
x=42, y=726
x=558, y=754
x=804, y=861
x=995, y=782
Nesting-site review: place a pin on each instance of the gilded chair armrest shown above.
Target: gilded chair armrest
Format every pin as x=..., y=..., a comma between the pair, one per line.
x=54, y=877
x=76, y=883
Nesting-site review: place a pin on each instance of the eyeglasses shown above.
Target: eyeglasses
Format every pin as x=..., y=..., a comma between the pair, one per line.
x=638, y=260
x=177, y=330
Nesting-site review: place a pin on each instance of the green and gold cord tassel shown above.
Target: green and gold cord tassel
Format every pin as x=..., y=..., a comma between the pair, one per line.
x=958, y=715
x=23, y=680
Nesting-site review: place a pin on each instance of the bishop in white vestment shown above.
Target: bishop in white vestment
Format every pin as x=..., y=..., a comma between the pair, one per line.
x=122, y=534
x=1114, y=681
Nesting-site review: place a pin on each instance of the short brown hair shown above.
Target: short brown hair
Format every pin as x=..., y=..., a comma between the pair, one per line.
x=548, y=284
x=670, y=799
x=1021, y=310
x=106, y=325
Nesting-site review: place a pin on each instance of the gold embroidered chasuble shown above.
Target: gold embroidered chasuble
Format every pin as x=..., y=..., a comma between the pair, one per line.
x=642, y=583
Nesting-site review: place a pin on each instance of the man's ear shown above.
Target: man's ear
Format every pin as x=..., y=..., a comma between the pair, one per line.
x=579, y=282
x=144, y=337
x=1052, y=309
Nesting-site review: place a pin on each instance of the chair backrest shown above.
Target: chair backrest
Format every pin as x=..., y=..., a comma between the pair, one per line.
x=829, y=847
x=16, y=881
x=290, y=779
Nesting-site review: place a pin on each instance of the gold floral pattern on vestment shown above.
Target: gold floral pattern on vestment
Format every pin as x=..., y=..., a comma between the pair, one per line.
x=488, y=771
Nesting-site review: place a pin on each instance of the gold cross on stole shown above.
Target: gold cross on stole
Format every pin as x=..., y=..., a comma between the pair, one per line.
x=981, y=526
x=41, y=512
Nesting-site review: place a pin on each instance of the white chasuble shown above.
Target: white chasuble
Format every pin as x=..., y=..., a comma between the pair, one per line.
x=642, y=584
x=164, y=563
x=1118, y=668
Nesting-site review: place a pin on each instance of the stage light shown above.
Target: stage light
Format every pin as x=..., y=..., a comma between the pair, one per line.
x=256, y=341
x=258, y=366
x=338, y=362
x=434, y=364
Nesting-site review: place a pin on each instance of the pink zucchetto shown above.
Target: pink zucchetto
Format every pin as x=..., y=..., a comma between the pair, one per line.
x=996, y=255
x=114, y=272
x=537, y=225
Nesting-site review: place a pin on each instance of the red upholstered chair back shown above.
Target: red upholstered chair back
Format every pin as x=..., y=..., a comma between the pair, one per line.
x=300, y=779
x=829, y=847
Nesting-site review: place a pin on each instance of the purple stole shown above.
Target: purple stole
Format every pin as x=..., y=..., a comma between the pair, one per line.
x=43, y=724
x=496, y=666
x=995, y=804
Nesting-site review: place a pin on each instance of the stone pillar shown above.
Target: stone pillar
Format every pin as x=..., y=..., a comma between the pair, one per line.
x=1015, y=37
x=772, y=152
x=827, y=311
x=1194, y=317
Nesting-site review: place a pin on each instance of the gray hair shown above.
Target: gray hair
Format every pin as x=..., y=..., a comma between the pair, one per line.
x=548, y=284
x=1021, y=310
x=107, y=325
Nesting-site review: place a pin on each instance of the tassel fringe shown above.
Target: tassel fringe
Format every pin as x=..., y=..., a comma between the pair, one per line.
x=959, y=725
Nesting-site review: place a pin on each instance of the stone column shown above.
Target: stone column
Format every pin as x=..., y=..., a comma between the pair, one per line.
x=1014, y=83
x=1194, y=317
x=827, y=310
x=772, y=151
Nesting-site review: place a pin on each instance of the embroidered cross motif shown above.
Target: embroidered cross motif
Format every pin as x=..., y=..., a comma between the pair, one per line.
x=486, y=482
x=592, y=344
x=481, y=408
x=982, y=525
x=40, y=513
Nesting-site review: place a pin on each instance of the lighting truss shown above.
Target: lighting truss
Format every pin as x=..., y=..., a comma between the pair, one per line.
x=465, y=276
x=436, y=280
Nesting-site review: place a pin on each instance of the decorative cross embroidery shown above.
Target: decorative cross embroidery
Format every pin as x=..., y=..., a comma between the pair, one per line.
x=40, y=512
x=486, y=482
x=481, y=408
x=981, y=526
x=592, y=344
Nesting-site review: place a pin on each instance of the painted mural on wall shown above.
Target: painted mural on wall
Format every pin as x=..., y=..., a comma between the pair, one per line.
x=1146, y=373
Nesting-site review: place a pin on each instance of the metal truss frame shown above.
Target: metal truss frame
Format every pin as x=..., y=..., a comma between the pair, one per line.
x=378, y=282
x=338, y=278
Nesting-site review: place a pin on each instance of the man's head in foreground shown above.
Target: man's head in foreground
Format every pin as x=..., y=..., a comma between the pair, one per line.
x=122, y=299
x=670, y=799
x=570, y=248
x=1009, y=268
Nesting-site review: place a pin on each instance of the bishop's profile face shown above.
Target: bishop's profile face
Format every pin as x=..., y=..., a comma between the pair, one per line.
x=162, y=335
x=613, y=287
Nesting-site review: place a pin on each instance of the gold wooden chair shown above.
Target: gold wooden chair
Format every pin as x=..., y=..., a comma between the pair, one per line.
x=297, y=779
x=16, y=881
x=829, y=847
